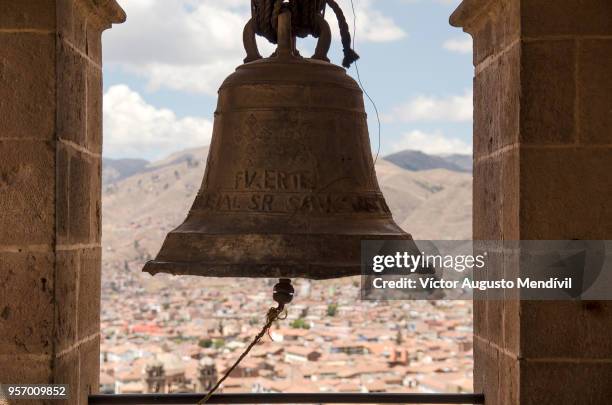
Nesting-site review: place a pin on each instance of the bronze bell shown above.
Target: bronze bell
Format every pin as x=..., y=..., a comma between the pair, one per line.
x=289, y=188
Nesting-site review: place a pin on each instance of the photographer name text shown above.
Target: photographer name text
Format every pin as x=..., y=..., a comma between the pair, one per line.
x=431, y=283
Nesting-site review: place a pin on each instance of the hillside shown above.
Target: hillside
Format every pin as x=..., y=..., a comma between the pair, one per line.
x=114, y=170
x=140, y=209
x=418, y=161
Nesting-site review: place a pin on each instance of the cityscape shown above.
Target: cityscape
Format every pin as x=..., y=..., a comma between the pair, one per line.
x=180, y=334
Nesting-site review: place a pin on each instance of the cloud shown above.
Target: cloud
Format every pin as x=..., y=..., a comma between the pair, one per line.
x=430, y=108
x=432, y=143
x=449, y=2
x=192, y=45
x=134, y=128
x=372, y=25
x=205, y=78
x=183, y=45
x=444, y=2
x=459, y=45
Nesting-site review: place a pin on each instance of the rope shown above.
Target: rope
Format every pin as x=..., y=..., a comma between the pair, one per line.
x=262, y=12
x=272, y=315
x=303, y=21
x=350, y=55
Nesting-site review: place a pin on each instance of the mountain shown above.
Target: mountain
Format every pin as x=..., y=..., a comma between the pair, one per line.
x=114, y=170
x=429, y=204
x=118, y=169
x=463, y=161
x=418, y=161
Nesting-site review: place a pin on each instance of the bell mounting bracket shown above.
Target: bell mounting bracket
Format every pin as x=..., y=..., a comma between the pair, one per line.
x=286, y=40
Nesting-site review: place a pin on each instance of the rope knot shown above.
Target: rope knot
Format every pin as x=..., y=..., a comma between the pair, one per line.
x=272, y=315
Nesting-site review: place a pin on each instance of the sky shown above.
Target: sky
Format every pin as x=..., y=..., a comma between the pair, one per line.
x=164, y=65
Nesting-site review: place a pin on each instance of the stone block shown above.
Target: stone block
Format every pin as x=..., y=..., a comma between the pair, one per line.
x=487, y=204
x=66, y=371
x=38, y=370
x=565, y=193
x=27, y=14
x=480, y=355
x=512, y=306
x=94, y=109
x=542, y=18
x=495, y=305
x=80, y=205
x=479, y=316
x=565, y=383
x=89, y=293
x=580, y=329
x=479, y=304
x=509, y=27
x=595, y=91
x=72, y=22
x=487, y=105
x=495, y=30
x=497, y=374
x=497, y=103
x=487, y=375
x=65, y=18
x=78, y=196
x=483, y=40
x=495, y=321
x=27, y=187
x=63, y=194
x=96, y=201
x=510, y=189
x=512, y=326
x=67, y=270
x=27, y=93
x=89, y=369
x=95, y=27
x=71, y=95
x=26, y=325
x=508, y=79
x=509, y=380
x=548, y=92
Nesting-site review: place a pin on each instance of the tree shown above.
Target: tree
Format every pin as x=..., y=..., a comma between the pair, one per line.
x=299, y=323
x=205, y=343
x=332, y=309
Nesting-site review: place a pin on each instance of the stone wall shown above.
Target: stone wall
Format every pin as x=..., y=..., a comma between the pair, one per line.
x=50, y=189
x=542, y=164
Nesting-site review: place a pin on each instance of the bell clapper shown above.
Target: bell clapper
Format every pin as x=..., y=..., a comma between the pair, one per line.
x=283, y=294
